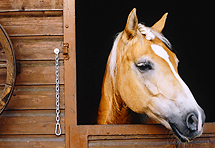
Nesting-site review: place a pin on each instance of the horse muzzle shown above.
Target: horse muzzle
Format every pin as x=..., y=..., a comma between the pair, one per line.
x=191, y=128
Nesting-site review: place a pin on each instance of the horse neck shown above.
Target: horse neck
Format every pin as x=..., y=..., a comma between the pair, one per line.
x=112, y=109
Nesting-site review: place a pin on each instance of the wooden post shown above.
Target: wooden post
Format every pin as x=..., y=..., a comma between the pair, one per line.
x=70, y=68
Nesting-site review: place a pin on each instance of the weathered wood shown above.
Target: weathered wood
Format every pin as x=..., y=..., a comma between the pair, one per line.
x=147, y=140
x=32, y=23
x=36, y=48
x=21, y=5
x=35, y=28
x=36, y=13
x=10, y=58
x=2, y=66
x=134, y=143
x=133, y=136
x=29, y=122
x=35, y=73
x=3, y=75
x=31, y=141
x=152, y=143
x=70, y=68
x=39, y=96
x=129, y=137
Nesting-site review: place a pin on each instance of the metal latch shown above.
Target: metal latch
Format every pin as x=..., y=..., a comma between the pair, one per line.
x=65, y=50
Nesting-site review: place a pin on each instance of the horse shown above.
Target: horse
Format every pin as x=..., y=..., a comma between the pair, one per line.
x=141, y=78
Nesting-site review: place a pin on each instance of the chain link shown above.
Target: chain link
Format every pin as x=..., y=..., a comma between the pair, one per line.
x=57, y=128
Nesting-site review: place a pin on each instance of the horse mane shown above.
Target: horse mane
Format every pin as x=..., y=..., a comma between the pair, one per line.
x=150, y=35
x=113, y=56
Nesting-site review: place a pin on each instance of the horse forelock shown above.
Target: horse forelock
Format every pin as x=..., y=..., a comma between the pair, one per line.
x=149, y=33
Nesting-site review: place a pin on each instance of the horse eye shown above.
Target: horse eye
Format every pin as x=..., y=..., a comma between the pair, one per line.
x=144, y=66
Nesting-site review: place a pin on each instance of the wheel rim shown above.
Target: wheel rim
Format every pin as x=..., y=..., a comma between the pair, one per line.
x=10, y=65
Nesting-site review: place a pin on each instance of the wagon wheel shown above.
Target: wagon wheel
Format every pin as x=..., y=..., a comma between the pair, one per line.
x=8, y=64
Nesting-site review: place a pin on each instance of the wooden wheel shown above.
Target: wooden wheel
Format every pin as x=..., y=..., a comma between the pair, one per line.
x=8, y=64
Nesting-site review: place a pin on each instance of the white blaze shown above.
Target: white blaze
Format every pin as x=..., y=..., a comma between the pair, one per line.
x=163, y=54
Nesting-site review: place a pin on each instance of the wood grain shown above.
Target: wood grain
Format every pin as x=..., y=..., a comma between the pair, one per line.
x=152, y=143
x=31, y=141
x=32, y=24
x=35, y=28
x=129, y=136
x=29, y=122
x=35, y=97
x=37, y=48
x=36, y=73
x=70, y=68
x=19, y=5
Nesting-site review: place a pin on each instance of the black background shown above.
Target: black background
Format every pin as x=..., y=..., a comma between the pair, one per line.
x=189, y=27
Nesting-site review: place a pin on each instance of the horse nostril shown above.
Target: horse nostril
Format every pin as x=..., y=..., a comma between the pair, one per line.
x=192, y=122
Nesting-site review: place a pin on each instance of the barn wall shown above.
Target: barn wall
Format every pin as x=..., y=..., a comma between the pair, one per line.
x=35, y=28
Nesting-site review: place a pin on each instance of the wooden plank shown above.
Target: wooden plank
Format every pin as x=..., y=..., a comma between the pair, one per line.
x=36, y=48
x=134, y=143
x=36, y=13
x=31, y=141
x=147, y=140
x=83, y=132
x=32, y=23
x=35, y=73
x=70, y=68
x=40, y=97
x=129, y=137
x=116, y=135
x=21, y=5
x=30, y=122
x=209, y=127
x=152, y=143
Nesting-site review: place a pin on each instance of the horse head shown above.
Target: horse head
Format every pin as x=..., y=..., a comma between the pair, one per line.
x=143, y=71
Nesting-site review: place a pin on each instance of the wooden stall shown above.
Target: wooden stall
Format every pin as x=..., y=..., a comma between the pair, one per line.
x=36, y=28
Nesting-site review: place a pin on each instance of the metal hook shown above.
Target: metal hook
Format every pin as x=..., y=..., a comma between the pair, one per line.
x=57, y=129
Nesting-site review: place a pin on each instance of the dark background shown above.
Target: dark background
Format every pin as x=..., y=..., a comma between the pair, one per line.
x=189, y=27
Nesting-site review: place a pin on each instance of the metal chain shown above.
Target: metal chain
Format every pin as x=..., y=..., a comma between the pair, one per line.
x=57, y=127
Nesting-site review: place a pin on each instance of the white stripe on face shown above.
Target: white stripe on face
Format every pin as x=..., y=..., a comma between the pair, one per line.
x=163, y=54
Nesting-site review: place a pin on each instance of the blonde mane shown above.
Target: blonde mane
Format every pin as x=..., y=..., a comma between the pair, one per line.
x=113, y=55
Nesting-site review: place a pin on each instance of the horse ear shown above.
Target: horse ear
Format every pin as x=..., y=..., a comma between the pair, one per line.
x=132, y=23
x=159, y=25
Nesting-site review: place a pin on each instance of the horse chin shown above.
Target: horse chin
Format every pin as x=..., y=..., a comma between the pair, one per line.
x=178, y=135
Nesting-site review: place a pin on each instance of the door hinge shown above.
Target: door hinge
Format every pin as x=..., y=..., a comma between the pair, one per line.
x=65, y=50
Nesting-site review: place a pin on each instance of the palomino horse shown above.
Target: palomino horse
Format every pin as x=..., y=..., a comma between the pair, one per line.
x=141, y=77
